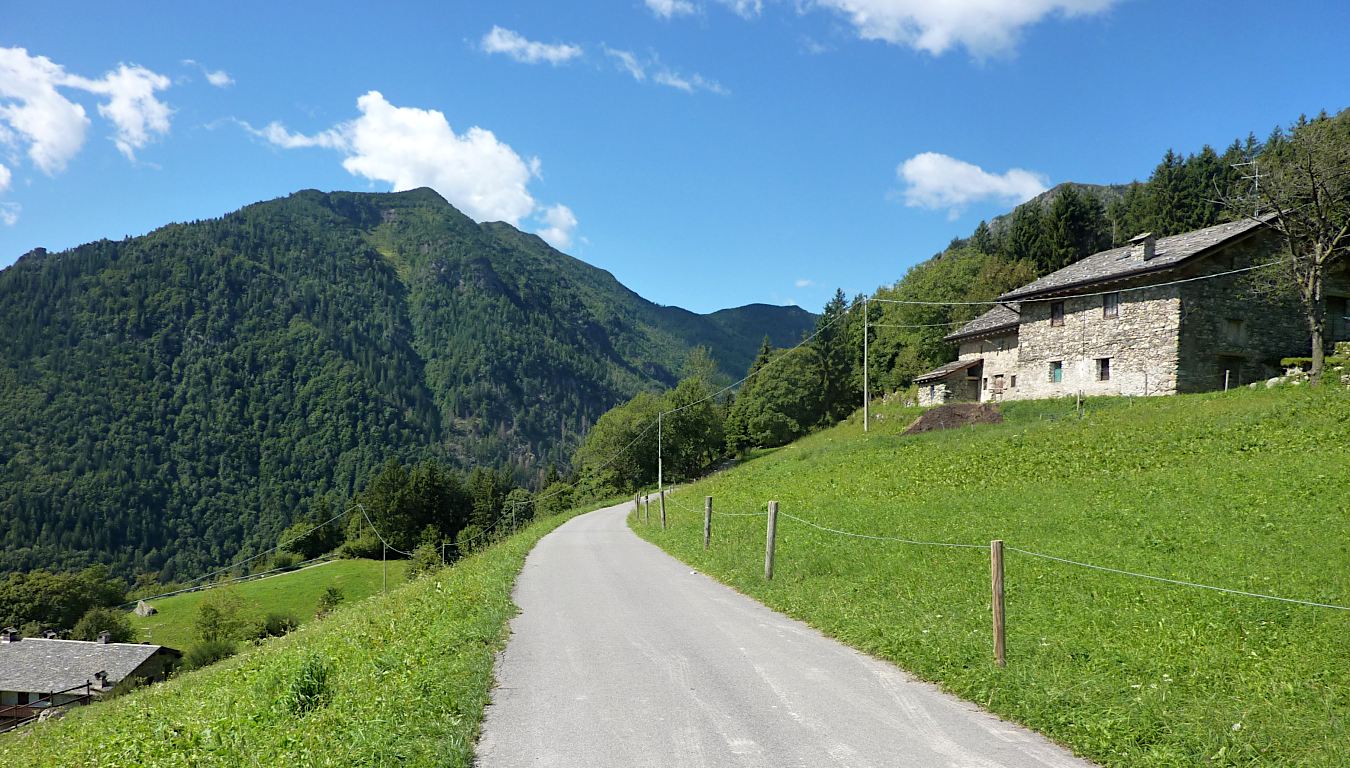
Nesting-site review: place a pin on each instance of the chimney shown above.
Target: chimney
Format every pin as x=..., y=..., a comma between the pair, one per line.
x=105, y=637
x=101, y=678
x=9, y=635
x=1144, y=245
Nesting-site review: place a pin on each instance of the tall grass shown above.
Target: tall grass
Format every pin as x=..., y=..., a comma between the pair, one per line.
x=1248, y=490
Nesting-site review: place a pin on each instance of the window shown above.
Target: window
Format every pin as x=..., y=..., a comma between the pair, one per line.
x=1012, y=380
x=984, y=383
x=1056, y=371
x=1235, y=331
x=1057, y=313
x=1103, y=369
x=1111, y=305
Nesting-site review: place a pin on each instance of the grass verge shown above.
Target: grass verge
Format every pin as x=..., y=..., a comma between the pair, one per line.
x=295, y=594
x=1247, y=490
x=400, y=679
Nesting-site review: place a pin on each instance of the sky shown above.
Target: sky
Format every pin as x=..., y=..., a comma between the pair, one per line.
x=708, y=153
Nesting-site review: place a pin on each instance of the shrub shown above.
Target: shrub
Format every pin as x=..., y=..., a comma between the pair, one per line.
x=330, y=599
x=208, y=652
x=309, y=687
x=110, y=620
x=220, y=616
x=286, y=561
x=275, y=625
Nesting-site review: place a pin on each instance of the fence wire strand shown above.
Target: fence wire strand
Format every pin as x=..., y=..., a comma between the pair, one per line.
x=918, y=542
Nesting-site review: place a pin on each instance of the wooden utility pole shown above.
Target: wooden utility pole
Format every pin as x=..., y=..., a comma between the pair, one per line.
x=384, y=567
x=866, y=397
x=707, y=520
x=769, y=536
x=996, y=579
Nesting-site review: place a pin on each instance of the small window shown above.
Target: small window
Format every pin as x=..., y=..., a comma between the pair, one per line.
x=1111, y=305
x=984, y=383
x=1012, y=380
x=1057, y=313
x=1057, y=371
x=1103, y=369
x=1235, y=331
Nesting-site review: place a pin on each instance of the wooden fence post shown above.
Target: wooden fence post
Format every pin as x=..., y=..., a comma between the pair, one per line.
x=769, y=536
x=996, y=577
x=663, y=509
x=637, y=507
x=707, y=520
x=647, y=509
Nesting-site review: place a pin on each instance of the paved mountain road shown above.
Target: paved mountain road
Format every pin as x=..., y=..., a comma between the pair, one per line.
x=622, y=657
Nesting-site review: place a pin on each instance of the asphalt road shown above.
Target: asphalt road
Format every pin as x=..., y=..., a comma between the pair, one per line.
x=622, y=657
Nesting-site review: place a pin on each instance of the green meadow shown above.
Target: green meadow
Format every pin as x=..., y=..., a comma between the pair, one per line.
x=1248, y=490
x=294, y=594
x=399, y=679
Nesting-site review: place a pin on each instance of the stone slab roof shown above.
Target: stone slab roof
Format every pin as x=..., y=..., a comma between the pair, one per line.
x=37, y=665
x=946, y=370
x=1000, y=317
x=1119, y=263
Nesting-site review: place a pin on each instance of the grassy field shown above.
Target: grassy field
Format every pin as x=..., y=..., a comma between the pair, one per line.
x=295, y=594
x=1248, y=490
x=399, y=679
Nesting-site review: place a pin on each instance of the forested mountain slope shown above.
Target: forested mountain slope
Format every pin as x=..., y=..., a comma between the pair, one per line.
x=172, y=399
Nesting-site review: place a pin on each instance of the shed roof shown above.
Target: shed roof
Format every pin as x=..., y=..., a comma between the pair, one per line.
x=947, y=370
x=1001, y=317
x=1122, y=262
x=38, y=665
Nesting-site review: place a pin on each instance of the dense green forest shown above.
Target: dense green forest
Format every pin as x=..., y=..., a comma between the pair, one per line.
x=176, y=399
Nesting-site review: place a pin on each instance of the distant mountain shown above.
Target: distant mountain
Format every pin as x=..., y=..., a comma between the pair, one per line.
x=171, y=399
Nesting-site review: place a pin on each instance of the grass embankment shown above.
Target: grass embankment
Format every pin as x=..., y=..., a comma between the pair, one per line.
x=400, y=679
x=295, y=594
x=1248, y=490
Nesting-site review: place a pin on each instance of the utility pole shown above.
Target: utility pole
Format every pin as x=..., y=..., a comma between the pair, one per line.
x=660, y=482
x=384, y=567
x=866, y=398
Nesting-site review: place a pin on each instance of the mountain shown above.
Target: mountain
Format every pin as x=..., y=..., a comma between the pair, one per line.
x=172, y=399
x=1106, y=194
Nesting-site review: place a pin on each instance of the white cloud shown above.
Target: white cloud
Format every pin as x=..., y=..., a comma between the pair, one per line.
x=746, y=9
x=217, y=77
x=408, y=148
x=983, y=27
x=9, y=214
x=513, y=44
x=663, y=75
x=34, y=112
x=668, y=9
x=5, y=177
x=936, y=181
x=804, y=283
x=561, y=222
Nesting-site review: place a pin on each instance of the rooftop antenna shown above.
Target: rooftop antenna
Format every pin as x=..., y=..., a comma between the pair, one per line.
x=1255, y=178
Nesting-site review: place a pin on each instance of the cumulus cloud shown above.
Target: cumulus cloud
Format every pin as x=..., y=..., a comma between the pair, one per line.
x=5, y=177
x=217, y=77
x=668, y=9
x=936, y=181
x=746, y=9
x=559, y=223
x=515, y=45
x=660, y=74
x=804, y=283
x=9, y=214
x=408, y=147
x=34, y=112
x=983, y=27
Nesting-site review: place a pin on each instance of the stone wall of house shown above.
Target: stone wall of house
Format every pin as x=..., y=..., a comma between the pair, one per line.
x=933, y=393
x=1240, y=325
x=999, y=354
x=955, y=387
x=1140, y=342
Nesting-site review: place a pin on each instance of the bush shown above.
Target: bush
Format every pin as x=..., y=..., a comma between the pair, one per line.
x=330, y=599
x=309, y=687
x=1330, y=361
x=286, y=561
x=208, y=652
x=276, y=625
x=110, y=620
x=220, y=616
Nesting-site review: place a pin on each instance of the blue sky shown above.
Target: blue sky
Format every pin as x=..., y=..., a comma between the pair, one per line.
x=709, y=153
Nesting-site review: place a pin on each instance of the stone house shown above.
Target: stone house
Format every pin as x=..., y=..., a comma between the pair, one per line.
x=40, y=675
x=1142, y=319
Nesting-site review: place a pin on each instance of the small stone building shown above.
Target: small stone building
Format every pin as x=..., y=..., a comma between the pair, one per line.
x=39, y=675
x=1132, y=321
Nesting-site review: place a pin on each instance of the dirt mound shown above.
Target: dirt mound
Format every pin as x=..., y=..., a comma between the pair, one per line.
x=955, y=415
